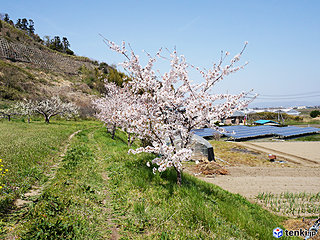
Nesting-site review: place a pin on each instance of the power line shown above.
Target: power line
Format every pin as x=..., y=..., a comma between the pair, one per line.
x=282, y=98
x=287, y=95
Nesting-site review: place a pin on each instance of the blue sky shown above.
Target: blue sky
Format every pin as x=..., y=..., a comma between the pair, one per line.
x=283, y=35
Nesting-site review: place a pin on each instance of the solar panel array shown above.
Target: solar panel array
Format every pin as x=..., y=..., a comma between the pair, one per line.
x=205, y=132
x=245, y=132
x=239, y=132
x=294, y=131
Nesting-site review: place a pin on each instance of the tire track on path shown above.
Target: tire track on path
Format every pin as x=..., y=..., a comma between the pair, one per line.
x=106, y=208
x=35, y=190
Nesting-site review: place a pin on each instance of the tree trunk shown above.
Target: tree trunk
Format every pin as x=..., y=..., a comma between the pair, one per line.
x=113, y=130
x=129, y=138
x=47, y=119
x=179, y=178
x=9, y=117
x=28, y=119
x=132, y=140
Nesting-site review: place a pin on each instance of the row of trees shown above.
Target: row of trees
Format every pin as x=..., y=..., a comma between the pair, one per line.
x=22, y=24
x=59, y=45
x=164, y=109
x=25, y=25
x=47, y=108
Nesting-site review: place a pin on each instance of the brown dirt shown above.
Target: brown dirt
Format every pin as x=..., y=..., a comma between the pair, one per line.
x=208, y=169
x=301, y=174
x=302, y=153
x=250, y=181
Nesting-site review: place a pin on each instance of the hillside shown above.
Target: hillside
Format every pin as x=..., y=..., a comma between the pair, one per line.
x=31, y=70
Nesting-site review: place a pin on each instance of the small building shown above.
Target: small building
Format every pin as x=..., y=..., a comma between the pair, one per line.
x=266, y=122
x=236, y=118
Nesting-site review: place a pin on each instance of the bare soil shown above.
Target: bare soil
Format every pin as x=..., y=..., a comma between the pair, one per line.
x=301, y=172
x=250, y=181
x=303, y=153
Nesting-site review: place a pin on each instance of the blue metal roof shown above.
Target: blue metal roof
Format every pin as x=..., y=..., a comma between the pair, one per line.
x=265, y=121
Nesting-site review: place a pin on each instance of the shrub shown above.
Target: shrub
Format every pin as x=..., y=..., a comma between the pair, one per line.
x=314, y=113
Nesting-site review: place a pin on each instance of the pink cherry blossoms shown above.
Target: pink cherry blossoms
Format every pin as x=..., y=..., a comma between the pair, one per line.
x=165, y=108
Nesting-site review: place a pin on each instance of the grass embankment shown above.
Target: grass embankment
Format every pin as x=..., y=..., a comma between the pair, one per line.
x=28, y=151
x=99, y=187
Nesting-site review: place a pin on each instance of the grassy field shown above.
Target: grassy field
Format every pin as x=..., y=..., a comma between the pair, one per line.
x=100, y=192
x=28, y=151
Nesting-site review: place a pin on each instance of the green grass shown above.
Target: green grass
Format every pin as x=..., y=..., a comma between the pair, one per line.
x=28, y=151
x=72, y=207
x=153, y=206
x=314, y=137
x=99, y=186
x=309, y=121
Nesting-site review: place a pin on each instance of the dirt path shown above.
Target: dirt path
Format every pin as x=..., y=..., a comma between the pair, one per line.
x=21, y=203
x=36, y=190
x=106, y=207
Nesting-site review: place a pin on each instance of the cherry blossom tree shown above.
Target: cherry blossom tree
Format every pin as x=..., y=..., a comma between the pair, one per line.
x=25, y=108
x=168, y=106
x=110, y=107
x=54, y=106
x=9, y=112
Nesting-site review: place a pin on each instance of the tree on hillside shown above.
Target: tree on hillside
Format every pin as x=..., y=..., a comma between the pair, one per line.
x=18, y=24
x=170, y=105
x=104, y=67
x=65, y=44
x=46, y=40
x=53, y=107
x=58, y=45
x=116, y=76
x=6, y=17
x=31, y=28
x=24, y=24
